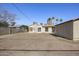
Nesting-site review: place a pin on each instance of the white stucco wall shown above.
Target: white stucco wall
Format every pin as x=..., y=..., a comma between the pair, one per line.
x=43, y=30
x=35, y=29
x=76, y=30
x=50, y=29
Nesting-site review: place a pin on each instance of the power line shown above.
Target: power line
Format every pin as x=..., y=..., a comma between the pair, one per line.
x=20, y=11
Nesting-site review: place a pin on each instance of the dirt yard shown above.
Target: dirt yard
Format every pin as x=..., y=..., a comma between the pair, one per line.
x=37, y=44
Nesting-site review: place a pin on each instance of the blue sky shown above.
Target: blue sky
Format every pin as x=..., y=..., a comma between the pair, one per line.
x=40, y=12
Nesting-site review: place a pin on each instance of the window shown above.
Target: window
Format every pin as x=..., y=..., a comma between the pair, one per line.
x=31, y=29
x=46, y=29
x=53, y=29
x=39, y=29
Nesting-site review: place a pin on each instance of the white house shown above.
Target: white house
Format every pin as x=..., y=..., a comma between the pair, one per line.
x=40, y=28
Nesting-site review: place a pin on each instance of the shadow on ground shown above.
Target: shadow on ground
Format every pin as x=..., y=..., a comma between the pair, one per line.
x=60, y=36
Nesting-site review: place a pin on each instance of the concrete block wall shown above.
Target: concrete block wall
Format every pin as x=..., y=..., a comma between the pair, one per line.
x=65, y=29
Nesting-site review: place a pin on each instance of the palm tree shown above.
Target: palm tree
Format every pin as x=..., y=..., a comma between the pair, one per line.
x=49, y=19
x=53, y=18
x=57, y=20
x=61, y=20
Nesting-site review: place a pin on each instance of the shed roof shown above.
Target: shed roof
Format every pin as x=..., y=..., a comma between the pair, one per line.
x=68, y=21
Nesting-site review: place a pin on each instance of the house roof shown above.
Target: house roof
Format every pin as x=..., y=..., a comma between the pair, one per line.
x=48, y=26
x=15, y=26
x=68, y=21
x=76, y=19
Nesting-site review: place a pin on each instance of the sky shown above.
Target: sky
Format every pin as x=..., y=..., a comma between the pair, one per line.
x=26, y=13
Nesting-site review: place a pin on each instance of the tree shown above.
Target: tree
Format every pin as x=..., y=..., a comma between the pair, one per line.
x=4, y=24
x=24, y=27
x=61, y=20
x=49, y=19
x=53, y=18
x=8, y=17
x=13, y=23
x=57, y=19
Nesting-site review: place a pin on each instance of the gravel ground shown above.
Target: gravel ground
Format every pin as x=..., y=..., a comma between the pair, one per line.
x=37, y=44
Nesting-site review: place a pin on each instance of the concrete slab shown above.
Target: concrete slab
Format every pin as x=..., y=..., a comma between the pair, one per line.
x=36, y=42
